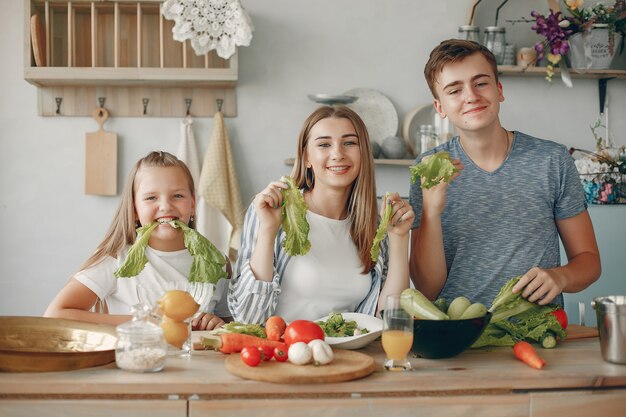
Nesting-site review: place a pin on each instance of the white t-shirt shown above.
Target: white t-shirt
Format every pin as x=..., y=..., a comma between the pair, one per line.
x=328, y=278
x=164, y=271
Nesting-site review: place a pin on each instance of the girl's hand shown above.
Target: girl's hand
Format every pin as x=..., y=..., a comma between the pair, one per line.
x=268, y=204
x=402, y=217
x=540, y=286
x=434, y=199
x=207, y=321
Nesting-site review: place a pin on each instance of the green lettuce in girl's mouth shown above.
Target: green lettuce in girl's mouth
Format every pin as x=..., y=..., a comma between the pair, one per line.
x=207, y=264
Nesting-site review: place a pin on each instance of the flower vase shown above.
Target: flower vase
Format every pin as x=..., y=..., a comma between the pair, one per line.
x=591, y=50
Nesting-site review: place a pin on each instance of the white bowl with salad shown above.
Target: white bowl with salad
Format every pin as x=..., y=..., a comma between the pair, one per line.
x=350, y=330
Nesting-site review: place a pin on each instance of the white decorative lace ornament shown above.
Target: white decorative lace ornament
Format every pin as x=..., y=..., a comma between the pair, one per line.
x=210, y=24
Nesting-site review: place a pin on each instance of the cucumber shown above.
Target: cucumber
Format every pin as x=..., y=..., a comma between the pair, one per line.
x=441, y=304
x=474, y=311
x=416, y=303
x=548, y=340
x=458, y=307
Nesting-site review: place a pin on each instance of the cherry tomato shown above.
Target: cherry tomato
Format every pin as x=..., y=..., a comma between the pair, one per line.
x=251, y=356
x=302, y=331
x=280, y=353
x=561, y=317
x=267, y=352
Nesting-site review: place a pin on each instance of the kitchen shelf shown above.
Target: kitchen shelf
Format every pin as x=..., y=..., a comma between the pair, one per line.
x=397, y=162
x=541, y=72
x=122, y=51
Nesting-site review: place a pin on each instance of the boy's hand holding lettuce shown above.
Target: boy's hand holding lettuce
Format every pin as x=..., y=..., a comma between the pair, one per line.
x=515, y=318
x=433, y=170
x=294, y=223
x=207, y=264
x=382, y=228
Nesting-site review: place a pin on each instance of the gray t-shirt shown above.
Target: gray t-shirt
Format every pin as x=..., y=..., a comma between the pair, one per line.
x=498, y=225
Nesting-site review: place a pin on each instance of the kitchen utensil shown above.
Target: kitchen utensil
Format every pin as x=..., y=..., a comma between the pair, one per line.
x=611, y=318
x=377, y=111
x=331, y=99
x=101, y=158
x=434, y=339
x=37, y=344
x=38, y=40
x=373, y=324
x=346, y=365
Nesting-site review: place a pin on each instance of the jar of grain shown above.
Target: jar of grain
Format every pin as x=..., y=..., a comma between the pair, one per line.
x=140, y=344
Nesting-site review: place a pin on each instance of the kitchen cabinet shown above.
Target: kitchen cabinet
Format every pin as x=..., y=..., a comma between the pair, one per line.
x=80, y=50
x=485, y=382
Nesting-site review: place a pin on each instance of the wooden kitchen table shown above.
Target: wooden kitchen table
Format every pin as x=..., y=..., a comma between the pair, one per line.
x=484, y=382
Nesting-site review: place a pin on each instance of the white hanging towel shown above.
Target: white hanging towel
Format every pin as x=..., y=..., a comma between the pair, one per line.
x=218, y=186
x=187, y=150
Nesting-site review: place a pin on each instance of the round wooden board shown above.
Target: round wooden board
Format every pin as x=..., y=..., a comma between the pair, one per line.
x=346, y=365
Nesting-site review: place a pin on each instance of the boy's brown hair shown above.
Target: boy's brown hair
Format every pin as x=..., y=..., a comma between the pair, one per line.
x=454, y=50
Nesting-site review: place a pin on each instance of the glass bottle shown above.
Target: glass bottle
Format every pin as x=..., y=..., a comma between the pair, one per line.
x=469, y=33
x=495, y=41
x=428, y=138
x=140, y=344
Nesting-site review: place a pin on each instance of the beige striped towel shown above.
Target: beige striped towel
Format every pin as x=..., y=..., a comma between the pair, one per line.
x=218, y=184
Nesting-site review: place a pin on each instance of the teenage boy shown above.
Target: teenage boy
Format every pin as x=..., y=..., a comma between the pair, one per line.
x=503, y=214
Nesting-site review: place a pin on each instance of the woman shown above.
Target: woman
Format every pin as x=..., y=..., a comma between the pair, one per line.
x=334, y=170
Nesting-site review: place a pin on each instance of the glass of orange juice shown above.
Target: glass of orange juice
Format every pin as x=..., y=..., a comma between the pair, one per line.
x=397, y=334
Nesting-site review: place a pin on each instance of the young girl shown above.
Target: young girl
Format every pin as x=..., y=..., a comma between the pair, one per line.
x=160, y=188
x=334, y=170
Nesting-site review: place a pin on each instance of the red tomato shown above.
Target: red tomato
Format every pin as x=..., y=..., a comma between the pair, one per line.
x=280, y=353
x=302, y=331
x=561, y=317
x=251, y=356
x=267, y=352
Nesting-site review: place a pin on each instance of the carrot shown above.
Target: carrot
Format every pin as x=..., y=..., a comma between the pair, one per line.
x=275, y=327
x=234, y=342
x=527, y=354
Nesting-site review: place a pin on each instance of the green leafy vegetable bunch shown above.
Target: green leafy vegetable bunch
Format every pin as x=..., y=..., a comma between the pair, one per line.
x=294, y=222
x=337, y=326
x=433, y=170
x=382, y=229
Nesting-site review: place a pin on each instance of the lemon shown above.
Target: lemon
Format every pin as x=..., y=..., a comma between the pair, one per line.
x=175, y=332
x=178, y=305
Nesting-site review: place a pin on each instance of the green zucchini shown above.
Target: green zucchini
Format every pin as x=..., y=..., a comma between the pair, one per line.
x=416, y=303
x=548, y=340
x=474, y=311
x=458, y=307
x=441, y=304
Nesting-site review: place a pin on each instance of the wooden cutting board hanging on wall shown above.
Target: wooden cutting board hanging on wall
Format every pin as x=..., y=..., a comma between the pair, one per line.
x=101, y=158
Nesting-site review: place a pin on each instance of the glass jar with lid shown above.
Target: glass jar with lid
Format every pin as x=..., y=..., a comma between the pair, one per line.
x=469, y=33
x=428, y=138
x=494, y=40
x=140, y=344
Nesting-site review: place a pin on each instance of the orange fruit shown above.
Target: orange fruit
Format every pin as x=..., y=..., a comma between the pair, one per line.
x=178, y=305
x=175, y=332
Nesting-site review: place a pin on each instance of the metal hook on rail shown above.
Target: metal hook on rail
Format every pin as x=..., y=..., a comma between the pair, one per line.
x=101, y=105
x=145, y=102
x=219, y=103
x=188, y=105
x=58, y=100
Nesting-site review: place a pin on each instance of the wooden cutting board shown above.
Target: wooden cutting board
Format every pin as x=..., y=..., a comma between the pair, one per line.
x=101, y=158
x=346, y=365
x=574, y=331
x=38, y=40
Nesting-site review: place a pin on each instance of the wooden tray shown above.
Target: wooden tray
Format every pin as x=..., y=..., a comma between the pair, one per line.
x=347, y=365
x=574, y=331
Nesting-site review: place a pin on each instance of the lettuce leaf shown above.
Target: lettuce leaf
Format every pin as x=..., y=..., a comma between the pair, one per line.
x=382, y=229
x=294, y=223
x=207, y=264
x=136, y=258
x=515, y=318
x=433, y=170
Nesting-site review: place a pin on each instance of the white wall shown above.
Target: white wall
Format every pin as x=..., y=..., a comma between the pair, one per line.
x=49, y=226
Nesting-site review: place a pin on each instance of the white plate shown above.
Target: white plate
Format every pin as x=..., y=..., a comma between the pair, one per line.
x=425, y=114
x=371, y=323
x=332, y=99
x=377, y=111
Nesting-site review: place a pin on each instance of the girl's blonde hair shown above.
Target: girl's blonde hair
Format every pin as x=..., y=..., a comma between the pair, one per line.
x=122, y=231
x=362, y=207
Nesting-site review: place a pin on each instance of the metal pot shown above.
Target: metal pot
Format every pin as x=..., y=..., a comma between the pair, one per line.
x=611, y=317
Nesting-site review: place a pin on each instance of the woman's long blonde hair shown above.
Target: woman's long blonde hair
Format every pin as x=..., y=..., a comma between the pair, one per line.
x=361, y=205
x=122, y=231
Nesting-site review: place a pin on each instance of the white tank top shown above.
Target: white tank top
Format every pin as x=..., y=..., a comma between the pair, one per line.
x=328, y=278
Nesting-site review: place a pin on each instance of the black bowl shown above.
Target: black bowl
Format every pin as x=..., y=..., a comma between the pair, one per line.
x=436, y=339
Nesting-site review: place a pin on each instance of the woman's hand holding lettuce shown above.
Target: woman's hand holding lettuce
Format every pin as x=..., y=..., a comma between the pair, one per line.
x=515, y=319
